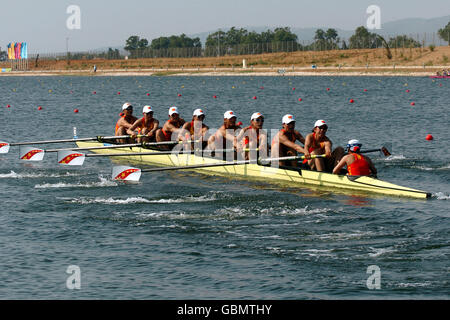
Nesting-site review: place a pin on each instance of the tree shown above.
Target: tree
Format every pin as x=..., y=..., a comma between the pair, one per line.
x=363, y=39
x=403, y=41
x=444, y=33
x=132, y=43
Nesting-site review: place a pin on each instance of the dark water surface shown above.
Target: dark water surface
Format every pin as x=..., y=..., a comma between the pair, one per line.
x=181, y=235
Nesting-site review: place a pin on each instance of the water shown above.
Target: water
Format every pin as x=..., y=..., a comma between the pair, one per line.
x=181, y=235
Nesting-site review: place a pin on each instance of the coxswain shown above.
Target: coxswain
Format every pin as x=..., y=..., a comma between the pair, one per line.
x=146, y=126
x=172, y=125
x=125, y=122
x=357, y=164
x=283, y=144
x=252, y=140
x=195, y=130
x=225, y=136
x=317, y=143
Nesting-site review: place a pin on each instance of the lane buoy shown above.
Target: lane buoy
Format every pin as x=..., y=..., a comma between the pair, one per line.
x=328, y=89
x=95, y=92
x=254, y=98
x=413, y=103
x=365, y=90
x=215, y=97
x=429, y=137
x=179, y=94
x=239, y=123
x=407, y=90
x=8, y=106
x=148, y=94
x=299, y=99
x=118, y=92
x=351, y=100
x=75, y=111
x=39, y=108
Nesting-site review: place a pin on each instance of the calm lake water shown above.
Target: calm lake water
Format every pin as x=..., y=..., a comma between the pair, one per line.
x=183, y=235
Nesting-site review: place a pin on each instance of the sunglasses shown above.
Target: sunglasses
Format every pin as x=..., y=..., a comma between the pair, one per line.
x=259, y=120
x=324, y=128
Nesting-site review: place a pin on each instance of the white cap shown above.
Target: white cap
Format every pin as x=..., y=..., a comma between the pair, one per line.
x=229, y=114
x=198, y=112
x=354, y=145
x=319, y=123
x=256, y=115
x=288, y=118
x=147, y=109
x=126, y=105
x=173, y=110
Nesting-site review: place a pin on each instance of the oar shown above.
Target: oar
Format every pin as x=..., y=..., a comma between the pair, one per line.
x=4, y=146
x=383, y=150
x=134, y=174
x=71, y=158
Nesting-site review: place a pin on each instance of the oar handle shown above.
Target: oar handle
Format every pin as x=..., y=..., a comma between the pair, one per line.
x=98, y=138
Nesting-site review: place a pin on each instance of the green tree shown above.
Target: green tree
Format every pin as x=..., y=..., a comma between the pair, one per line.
x=444, y=33
x=403, y=41
x=363, y=39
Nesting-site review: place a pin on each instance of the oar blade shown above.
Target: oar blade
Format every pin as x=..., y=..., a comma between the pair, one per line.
x=125, y=173
x=70, y=158
x=31, y=154
x=385, y=151
x=4, y=147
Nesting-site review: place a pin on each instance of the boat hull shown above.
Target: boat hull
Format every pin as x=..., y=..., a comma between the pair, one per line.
x=264, y=173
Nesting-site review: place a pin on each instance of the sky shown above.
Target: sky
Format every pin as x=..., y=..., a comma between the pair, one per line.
x=43, y=24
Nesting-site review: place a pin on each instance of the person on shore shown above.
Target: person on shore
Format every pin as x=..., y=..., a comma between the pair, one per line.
x=252, y=140
x=195, y=130
x=171, y=126
x=283, y=144
x=225, y=136
x=125, y=122
x=317, y=143
x=357, y=164
x=147, y=126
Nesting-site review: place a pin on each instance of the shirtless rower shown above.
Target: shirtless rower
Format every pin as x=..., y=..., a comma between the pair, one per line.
x=317, y=143
x=147, y=125
x=225, y=136
x=357, y=164
x=253, y=137
x=283, y=144
x=125, y=122
x=172, y=125
x=196, y=129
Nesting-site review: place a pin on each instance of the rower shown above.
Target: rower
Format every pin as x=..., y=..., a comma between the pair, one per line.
x=125, y=122
x=317, y=143
x=147, y=126
x=172, y=125
x=283, y=144
x=226, y=134
x=357, y=164
x=196, y=129
x=253, y=137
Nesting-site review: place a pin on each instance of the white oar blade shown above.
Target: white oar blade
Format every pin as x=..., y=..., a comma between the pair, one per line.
x=31, y=154
x=70, y=158
x=126, y=173
x=4, y=147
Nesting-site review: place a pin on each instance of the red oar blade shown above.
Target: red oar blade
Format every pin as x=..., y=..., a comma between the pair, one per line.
x=4, y=147
x=385, y=151
x=70, y=158
x=31, y=154
x=126, y=173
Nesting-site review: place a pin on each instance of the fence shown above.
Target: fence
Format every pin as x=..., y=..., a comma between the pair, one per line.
x=402, y=42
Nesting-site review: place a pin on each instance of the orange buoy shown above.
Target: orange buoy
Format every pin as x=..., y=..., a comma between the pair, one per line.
x=429, y=137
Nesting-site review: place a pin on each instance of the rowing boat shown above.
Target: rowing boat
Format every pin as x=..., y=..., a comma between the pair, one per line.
x=293, y=176
x=439, y=77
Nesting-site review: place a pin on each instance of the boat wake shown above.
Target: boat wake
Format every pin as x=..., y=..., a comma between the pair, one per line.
x=104, y=182
x=441, y=196
x=138, y=200
x=14, y=175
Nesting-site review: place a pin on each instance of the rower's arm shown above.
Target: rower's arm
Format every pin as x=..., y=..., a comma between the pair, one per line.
x=299, y=137
x=284, y=140
x=135, y=125
x=155, y=127
x=371, y=166
x=328, y=146
x=340, y=165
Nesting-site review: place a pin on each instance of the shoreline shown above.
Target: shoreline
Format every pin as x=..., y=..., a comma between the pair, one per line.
x=379, y=71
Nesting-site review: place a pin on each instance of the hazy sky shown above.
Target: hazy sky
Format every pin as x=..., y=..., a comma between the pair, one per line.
x=105, y=23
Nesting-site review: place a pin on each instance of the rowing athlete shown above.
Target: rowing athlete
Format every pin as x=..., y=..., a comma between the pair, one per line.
x=317, y=143
x=147, y=126
x=196, y=129
x=357, y=164
x=172, y=125
x=253, y=137
x=283, y=144
x=125, y=122
x=225, y=136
